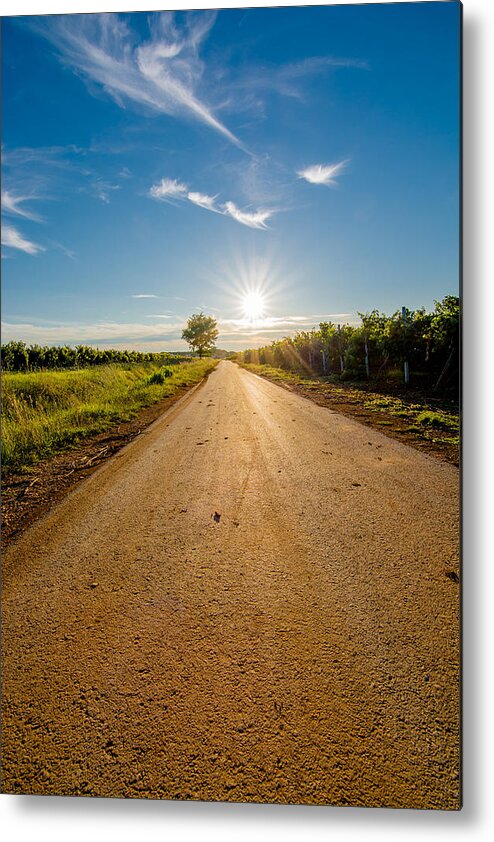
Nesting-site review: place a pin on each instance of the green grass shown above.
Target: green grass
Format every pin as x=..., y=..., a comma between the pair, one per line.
x=44, y=412
x=438, y=420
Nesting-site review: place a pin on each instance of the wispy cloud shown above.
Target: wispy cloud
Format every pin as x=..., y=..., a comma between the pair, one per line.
x=204, y=201
x=14, y=205
x=12, y=238
x=42, y=174
x=282, y=325
x=249, y=84
x=56, y=155
x=206, y=308
x=70, y=253
x=234, y=333
x=257, y=219
x=144, y=295
x=322, y=173
x=261, y=179
x=286, y=80
x=102, y=189
x=104, y=331
x=163, y=75
x=47, y=174
x=168, y=188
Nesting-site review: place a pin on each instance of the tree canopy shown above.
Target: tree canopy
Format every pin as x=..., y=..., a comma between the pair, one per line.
x=201, y=333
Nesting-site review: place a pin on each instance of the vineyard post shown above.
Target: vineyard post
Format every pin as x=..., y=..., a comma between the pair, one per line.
x=342, y=365
x=324, y=366
x=406, y=365
x=367, y=366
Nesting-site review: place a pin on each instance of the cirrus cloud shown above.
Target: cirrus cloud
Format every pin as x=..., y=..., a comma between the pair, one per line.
x=256, y=219
x=322, y=173
x=204, y=201
x=12, y=238
x=163, y=74
x=168, y=188
x=14, y=205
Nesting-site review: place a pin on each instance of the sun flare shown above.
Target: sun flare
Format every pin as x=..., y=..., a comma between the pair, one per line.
x=253, y=305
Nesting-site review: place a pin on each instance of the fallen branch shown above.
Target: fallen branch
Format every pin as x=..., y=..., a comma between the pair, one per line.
x=97, y=455
x=30, y=485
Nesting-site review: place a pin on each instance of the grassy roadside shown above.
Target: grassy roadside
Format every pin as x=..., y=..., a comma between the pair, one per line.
x=413, y=418
x=49, y=411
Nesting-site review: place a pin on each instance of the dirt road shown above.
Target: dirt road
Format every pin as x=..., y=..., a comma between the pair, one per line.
x=256, y=600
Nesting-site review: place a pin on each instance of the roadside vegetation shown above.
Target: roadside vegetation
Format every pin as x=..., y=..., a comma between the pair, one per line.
x=17, y=356
x=375, y=352
x=48, y=411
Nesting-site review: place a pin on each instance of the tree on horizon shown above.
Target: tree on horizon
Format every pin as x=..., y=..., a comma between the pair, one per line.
x=201, y=333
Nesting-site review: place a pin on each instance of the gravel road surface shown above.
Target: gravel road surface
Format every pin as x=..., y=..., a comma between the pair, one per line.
x=256, y=600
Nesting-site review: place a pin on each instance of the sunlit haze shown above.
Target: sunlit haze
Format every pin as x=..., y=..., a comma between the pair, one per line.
x=253, y=305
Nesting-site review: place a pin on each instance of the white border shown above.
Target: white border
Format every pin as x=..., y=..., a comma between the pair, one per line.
x=54, y=819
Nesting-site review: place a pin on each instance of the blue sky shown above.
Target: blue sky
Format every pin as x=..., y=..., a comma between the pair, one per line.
x=157, y=164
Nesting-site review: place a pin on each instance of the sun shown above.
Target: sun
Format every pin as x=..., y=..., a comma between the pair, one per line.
x=254, y=305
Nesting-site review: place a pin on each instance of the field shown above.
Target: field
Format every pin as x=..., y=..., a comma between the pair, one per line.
x=46, y=411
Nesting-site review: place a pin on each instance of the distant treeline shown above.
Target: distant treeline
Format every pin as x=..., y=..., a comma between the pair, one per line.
x=17, y=356
x=378, y=348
